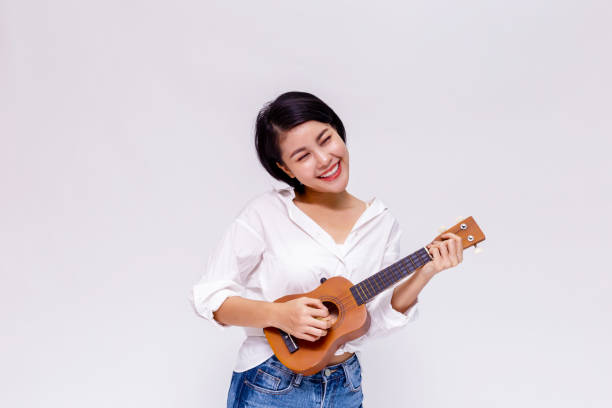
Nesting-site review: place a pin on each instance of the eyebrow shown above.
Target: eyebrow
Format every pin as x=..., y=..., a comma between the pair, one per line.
x=303, y=148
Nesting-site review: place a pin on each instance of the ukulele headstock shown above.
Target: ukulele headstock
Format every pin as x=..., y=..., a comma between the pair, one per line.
x=468, y=230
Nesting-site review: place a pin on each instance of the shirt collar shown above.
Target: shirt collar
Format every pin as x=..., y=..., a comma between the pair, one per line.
x=302, y=220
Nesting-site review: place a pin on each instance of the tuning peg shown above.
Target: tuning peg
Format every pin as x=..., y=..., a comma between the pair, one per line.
x=477, y=250
x=460, y=219
x=441, y=229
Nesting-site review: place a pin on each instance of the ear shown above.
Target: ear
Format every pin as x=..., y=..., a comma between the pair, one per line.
x=285, y=169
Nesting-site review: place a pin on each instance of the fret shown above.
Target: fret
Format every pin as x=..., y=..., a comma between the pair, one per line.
x=426, y=257
x=392, y=271
x=368, y=286
x=407, y=267
x=386, y=280
x=420, y=257
x=365, y=289
x=372, y=283
x=356, y=295
x=364, y=286
x=388, y=276
x=377, y=283
x=383, y=279
x=364, y=295
x=401, y=268
x=411, y=260
x=371, y=286
x=398, y=271
x=415, y=260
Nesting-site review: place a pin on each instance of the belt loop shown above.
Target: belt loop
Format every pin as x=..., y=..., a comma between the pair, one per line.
x=347, y=381
x=297, y=380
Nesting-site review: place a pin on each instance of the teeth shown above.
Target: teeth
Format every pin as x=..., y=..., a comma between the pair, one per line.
x=332, y=171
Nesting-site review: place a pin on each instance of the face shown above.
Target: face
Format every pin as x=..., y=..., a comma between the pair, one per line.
x=314, y=149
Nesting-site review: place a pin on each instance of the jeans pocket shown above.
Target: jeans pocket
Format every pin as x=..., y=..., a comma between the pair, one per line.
x=269, y=378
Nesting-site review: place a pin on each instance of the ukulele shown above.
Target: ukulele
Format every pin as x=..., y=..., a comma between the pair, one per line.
x=346, y=304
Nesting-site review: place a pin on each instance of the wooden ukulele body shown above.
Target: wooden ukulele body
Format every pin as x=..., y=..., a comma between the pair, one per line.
x=352, y=321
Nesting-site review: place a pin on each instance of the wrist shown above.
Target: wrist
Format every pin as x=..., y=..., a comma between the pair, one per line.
x=427, y=272
x=272, y=313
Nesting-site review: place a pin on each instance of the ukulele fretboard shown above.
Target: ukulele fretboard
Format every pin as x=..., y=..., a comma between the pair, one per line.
x=368, y=288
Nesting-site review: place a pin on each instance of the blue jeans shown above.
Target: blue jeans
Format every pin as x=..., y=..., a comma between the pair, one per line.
x=271, y=384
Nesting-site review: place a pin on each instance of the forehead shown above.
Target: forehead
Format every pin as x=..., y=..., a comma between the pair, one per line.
x=302, y=133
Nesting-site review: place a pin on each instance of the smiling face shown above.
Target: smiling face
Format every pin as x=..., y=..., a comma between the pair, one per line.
x=312, y=150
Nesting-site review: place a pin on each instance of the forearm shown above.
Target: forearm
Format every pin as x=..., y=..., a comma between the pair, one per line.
x=406, y=294
x=239, y=311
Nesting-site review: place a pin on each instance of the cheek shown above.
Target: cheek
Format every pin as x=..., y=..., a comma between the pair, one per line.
x=339, y=148
x=304, y=169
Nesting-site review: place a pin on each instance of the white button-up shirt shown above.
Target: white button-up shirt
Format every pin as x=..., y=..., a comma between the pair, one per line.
x=273, y=249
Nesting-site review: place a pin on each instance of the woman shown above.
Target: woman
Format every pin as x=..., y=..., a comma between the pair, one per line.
x=286, y=241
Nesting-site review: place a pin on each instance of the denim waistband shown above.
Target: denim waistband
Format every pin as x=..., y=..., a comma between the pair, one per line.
x=339, y=371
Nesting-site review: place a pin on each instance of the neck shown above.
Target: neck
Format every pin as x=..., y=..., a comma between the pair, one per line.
x=324, y=199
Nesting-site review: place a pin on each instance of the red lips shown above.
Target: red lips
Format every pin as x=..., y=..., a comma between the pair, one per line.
x=328, y=169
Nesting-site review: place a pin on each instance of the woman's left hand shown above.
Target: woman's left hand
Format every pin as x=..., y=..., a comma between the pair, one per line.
x=446, y=254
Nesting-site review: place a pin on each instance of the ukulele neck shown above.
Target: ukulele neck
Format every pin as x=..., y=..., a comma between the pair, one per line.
x=368, y=288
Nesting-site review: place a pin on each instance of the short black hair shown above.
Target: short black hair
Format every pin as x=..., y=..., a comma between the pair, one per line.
x=282, y=114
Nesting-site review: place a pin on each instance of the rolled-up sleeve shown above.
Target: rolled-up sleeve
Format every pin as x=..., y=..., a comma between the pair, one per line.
x=384, y=319
x=227, y=269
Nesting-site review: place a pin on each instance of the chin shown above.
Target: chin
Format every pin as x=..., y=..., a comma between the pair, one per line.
x=337, y=186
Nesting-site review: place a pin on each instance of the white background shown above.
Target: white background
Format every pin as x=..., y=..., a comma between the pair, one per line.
x=127, y=148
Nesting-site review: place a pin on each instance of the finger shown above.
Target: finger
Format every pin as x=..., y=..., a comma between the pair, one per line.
x=454, y=237
x=435, y=252
x=305, y=336
x=329, y=320
x=433, y=244
x=460, y=249
x=319, y=324
x=452, y=251
x=318, y=312
x=316, y=332
x=316, y=304
x=444, y=253
x=450, y=235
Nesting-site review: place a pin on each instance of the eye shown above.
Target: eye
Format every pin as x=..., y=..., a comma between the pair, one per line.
x=303, y=156
x=328, y=137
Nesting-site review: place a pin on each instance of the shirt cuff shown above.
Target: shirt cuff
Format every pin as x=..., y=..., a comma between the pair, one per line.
x=385, y=321
x=390, y=318
x=213, y=304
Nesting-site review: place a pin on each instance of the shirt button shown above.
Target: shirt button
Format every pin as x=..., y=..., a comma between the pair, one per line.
x=327, y=372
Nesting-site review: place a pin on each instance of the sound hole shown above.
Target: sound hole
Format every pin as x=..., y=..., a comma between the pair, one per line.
x=333, y=311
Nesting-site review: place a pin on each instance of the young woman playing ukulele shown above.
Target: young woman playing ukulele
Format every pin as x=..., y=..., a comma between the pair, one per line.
x=288, y=240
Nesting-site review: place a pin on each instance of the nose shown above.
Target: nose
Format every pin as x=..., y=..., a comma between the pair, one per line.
x=324, y=159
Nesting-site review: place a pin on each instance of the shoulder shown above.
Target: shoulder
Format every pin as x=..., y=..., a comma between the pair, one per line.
x=383, y=211
x=387, y=220
x=260, y=208
x=264, y=203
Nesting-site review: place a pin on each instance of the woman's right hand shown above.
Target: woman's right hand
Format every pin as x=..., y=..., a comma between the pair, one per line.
x=304, y=318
